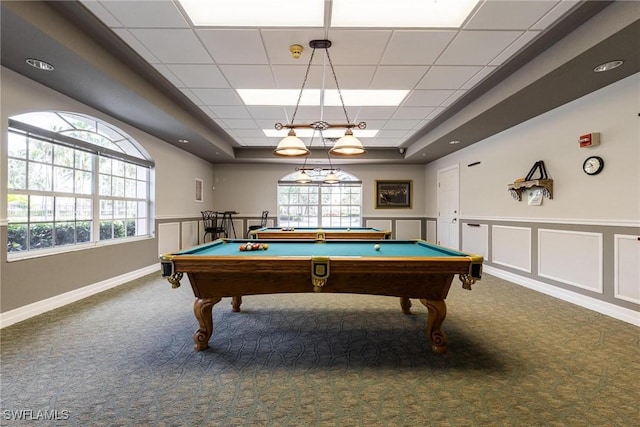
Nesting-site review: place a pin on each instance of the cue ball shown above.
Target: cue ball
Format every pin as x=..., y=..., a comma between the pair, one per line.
x=376, y=247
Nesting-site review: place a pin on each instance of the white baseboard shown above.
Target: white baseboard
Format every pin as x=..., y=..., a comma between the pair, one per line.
x=30, y=310
x=602, y=307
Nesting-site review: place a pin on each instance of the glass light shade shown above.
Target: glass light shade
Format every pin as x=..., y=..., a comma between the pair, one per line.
x=332, y=178
x=348, y=145
x=291, y=146
x=303, y=178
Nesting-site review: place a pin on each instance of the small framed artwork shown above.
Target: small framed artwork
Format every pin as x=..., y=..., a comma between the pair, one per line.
x=394, y=194
x=199, y=196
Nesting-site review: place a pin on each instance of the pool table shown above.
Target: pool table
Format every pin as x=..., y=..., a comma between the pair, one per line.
x=401, y=268
x=323, y=233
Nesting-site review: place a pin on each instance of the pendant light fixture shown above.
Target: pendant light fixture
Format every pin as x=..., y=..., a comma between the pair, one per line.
x=293, y=146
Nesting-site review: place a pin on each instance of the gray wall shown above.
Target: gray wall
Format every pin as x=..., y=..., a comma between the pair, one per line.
x=604, y=205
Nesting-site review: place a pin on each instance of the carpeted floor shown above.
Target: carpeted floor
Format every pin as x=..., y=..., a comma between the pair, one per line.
x=125, y=358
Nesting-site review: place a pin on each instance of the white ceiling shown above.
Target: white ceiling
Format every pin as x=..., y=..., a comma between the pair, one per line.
x=437, y=66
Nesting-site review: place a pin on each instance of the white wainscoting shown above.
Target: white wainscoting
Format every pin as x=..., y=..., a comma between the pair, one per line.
x=511, y=247
x=168, y=237
x=432, y=227
x=475, y=239
x=381, y=224
x=407, y=229
x=626, y=250
x=189, y=237
x=571, y=257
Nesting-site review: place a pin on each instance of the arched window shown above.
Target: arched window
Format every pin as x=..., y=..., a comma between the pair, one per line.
x=74, y=180
x=320, y=205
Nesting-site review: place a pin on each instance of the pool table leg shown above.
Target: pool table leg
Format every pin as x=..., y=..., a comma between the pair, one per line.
x=236, y=302
x=405, y=305
x=437, y=313
x=202, y=309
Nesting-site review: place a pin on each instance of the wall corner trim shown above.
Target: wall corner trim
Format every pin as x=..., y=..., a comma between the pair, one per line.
x=31, y=310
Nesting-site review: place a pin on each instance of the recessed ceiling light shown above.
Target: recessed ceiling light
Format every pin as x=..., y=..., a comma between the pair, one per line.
x=40, y=65
x=454, y=142
x=352, y=97
x=183, y=141
x=608, y=66
x=401, y=13
x=255, y=13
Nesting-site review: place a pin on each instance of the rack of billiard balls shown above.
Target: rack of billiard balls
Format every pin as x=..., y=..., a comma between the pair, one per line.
x=254, y=247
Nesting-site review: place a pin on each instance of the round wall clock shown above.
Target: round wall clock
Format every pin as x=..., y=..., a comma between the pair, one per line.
x=593, y=165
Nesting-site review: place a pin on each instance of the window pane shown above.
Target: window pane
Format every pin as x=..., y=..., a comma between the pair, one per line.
x=17, y=174
x=105, y=185
x=65, y=233
x=142, y=173
x=118, y=229
x=119, y=209
x=106, y=209
x=105, y=165
x=83, y=231
x=141, y=191
x=40, y=177
x=83, y=161
x=130, y=170
x=83, y=209
x=118, y=168
x=142, y=209
x=40, y=151
x=106, y=230
x=40, y=208
x=41, y=235
x=83, y=182
x=17, y=237
x=62, y=179
x=117, y=186
x=17, y=146
x=63, y=156
x=132, y=209
x=65, y=208
x=17, y=208
x=130, y=188
x=130, y=227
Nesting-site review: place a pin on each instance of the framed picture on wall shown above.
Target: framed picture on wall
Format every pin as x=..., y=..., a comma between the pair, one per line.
x=394, y=194
x=199, y=196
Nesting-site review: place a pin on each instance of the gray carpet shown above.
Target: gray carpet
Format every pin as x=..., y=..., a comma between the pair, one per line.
x=516, y=358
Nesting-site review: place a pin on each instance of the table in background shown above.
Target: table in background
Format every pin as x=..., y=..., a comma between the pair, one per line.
x=227, y=222
x=406, y=269
x=322, y=233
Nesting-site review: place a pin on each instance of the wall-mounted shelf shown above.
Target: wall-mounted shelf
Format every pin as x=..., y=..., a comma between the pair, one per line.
x=517, y=188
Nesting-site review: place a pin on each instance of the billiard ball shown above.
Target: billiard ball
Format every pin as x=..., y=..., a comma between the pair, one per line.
x=376, y=247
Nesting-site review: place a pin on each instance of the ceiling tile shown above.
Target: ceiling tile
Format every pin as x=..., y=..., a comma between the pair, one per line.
x=192, y=96
x=101, y=12
x=478, y=77
x=239, y=124
x=477, y=47
x=515, y=47
x=508, y=15
x=230, y=112
x=447, y=77
x=450, y=100
x=347, y=46
x=371, y=113
x=230, y=46
x=145, y=53
x=199, y=75
x=146, y=14
x=173, y=45
x=419, y=47
x=167, y=74
x=217, y=96
x=401, y=124
x=557, y=12
x=417, y=113
x=427, y=97
x=249, y=76
x=397, y=77
x=266, y=112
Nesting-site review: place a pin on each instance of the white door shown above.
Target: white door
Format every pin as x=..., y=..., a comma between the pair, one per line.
x=448, y=207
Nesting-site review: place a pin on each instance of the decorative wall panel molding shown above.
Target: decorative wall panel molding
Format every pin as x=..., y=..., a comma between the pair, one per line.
x=626, y=249
x=511, y=247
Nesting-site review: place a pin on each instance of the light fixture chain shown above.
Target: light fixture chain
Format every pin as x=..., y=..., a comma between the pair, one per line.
x=304, y=83
x=335, y=79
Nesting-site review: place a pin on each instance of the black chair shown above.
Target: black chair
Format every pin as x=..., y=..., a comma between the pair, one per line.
x=212, y=225
x=263, y=223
